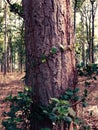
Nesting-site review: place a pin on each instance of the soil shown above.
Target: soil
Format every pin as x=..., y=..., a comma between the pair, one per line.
x=89, y=113
x=13, y=83
x=9, y=84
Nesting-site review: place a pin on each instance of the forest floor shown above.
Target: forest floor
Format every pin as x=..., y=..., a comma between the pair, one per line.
x=12, y=83
x=89, y=113
x=9, y=84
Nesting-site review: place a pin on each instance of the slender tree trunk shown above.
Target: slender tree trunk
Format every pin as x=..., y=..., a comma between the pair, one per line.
x=83, y=53
x=92, y=40
x=88, y=37
x=20, y=62
x=11, y=55
x=75, y=9
x=5, y=40
x=83, y=41
x=48, y=26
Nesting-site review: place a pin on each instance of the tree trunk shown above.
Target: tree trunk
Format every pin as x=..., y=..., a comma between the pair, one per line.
x=88, y=37
x=75, y=10
x=92, y=41
x=9, y=54
x=5, y=40
x=48, y=26
x=83, y=41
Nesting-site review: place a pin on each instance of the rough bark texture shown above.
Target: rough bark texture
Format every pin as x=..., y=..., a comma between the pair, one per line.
x=48, y=25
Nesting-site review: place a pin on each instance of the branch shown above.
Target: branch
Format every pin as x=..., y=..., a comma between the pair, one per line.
x=15, y=10
x=8, y=2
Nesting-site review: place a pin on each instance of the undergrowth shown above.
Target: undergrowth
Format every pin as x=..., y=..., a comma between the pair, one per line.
x=22, y=109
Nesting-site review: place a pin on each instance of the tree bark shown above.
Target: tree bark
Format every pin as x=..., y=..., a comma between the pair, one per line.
x=47, y=26
x=5, y=40
x=92, y=41
x=75, y=10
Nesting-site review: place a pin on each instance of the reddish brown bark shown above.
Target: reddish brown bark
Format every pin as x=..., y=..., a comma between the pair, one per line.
x=48, y=25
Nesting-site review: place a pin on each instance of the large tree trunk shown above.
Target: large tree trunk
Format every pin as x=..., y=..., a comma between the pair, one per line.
x=48, y=26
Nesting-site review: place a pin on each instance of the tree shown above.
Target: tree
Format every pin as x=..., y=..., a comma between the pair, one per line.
x=81, y=42
x=89, y=10
x=50, y=59
x=93, y=20
x=5, y=40
x=1, y=38
x=12, y=51
x=77, y=5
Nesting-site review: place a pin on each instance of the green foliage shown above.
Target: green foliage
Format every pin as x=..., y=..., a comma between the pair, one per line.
x=71, y=95
x=23, y=111
x=16, y=8
x=53, y=50
x=86, y=127
x=82, y=124
x=20, y=111
x=89, y=70
x=1, y=20
x=85, y=94
x=80, y=41
x=43, y=58
x=60, y=110
x=87, y=84
x=78, y=4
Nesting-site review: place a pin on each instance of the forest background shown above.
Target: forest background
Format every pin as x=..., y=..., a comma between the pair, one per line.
x=15, y=57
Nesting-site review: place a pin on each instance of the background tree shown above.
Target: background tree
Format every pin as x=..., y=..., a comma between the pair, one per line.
x=93, y=10
x=76, y=6
x=81, y=42
x=5, y=40
x=14, y=34
x=1, y=37
x=88, y=12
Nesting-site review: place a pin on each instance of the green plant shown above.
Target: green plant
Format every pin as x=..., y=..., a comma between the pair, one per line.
x=60, y=110
x=71, y=95
x=18, y=118
x=90, y=70
x=53, y=50
x=22, y=109
x=16, y=8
